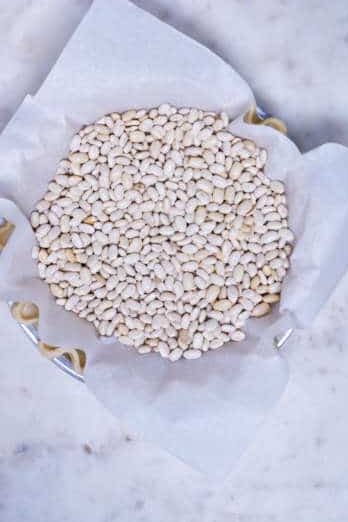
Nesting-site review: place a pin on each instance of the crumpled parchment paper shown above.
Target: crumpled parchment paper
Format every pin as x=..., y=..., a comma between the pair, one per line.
x=206, y=411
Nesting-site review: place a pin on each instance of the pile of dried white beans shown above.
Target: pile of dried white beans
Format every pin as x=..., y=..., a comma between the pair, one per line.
x=161, y=229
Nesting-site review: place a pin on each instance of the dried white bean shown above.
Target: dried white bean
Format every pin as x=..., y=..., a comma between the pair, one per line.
x=162, y=224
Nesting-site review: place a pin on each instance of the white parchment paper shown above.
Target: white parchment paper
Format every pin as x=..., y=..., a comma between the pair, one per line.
x=206, y=411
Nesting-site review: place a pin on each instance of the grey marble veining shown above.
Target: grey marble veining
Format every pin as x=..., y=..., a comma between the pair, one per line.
x=62, y=455
x=293, y=54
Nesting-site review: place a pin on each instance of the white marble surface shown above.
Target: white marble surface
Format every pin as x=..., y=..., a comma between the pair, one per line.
x=62, y=456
